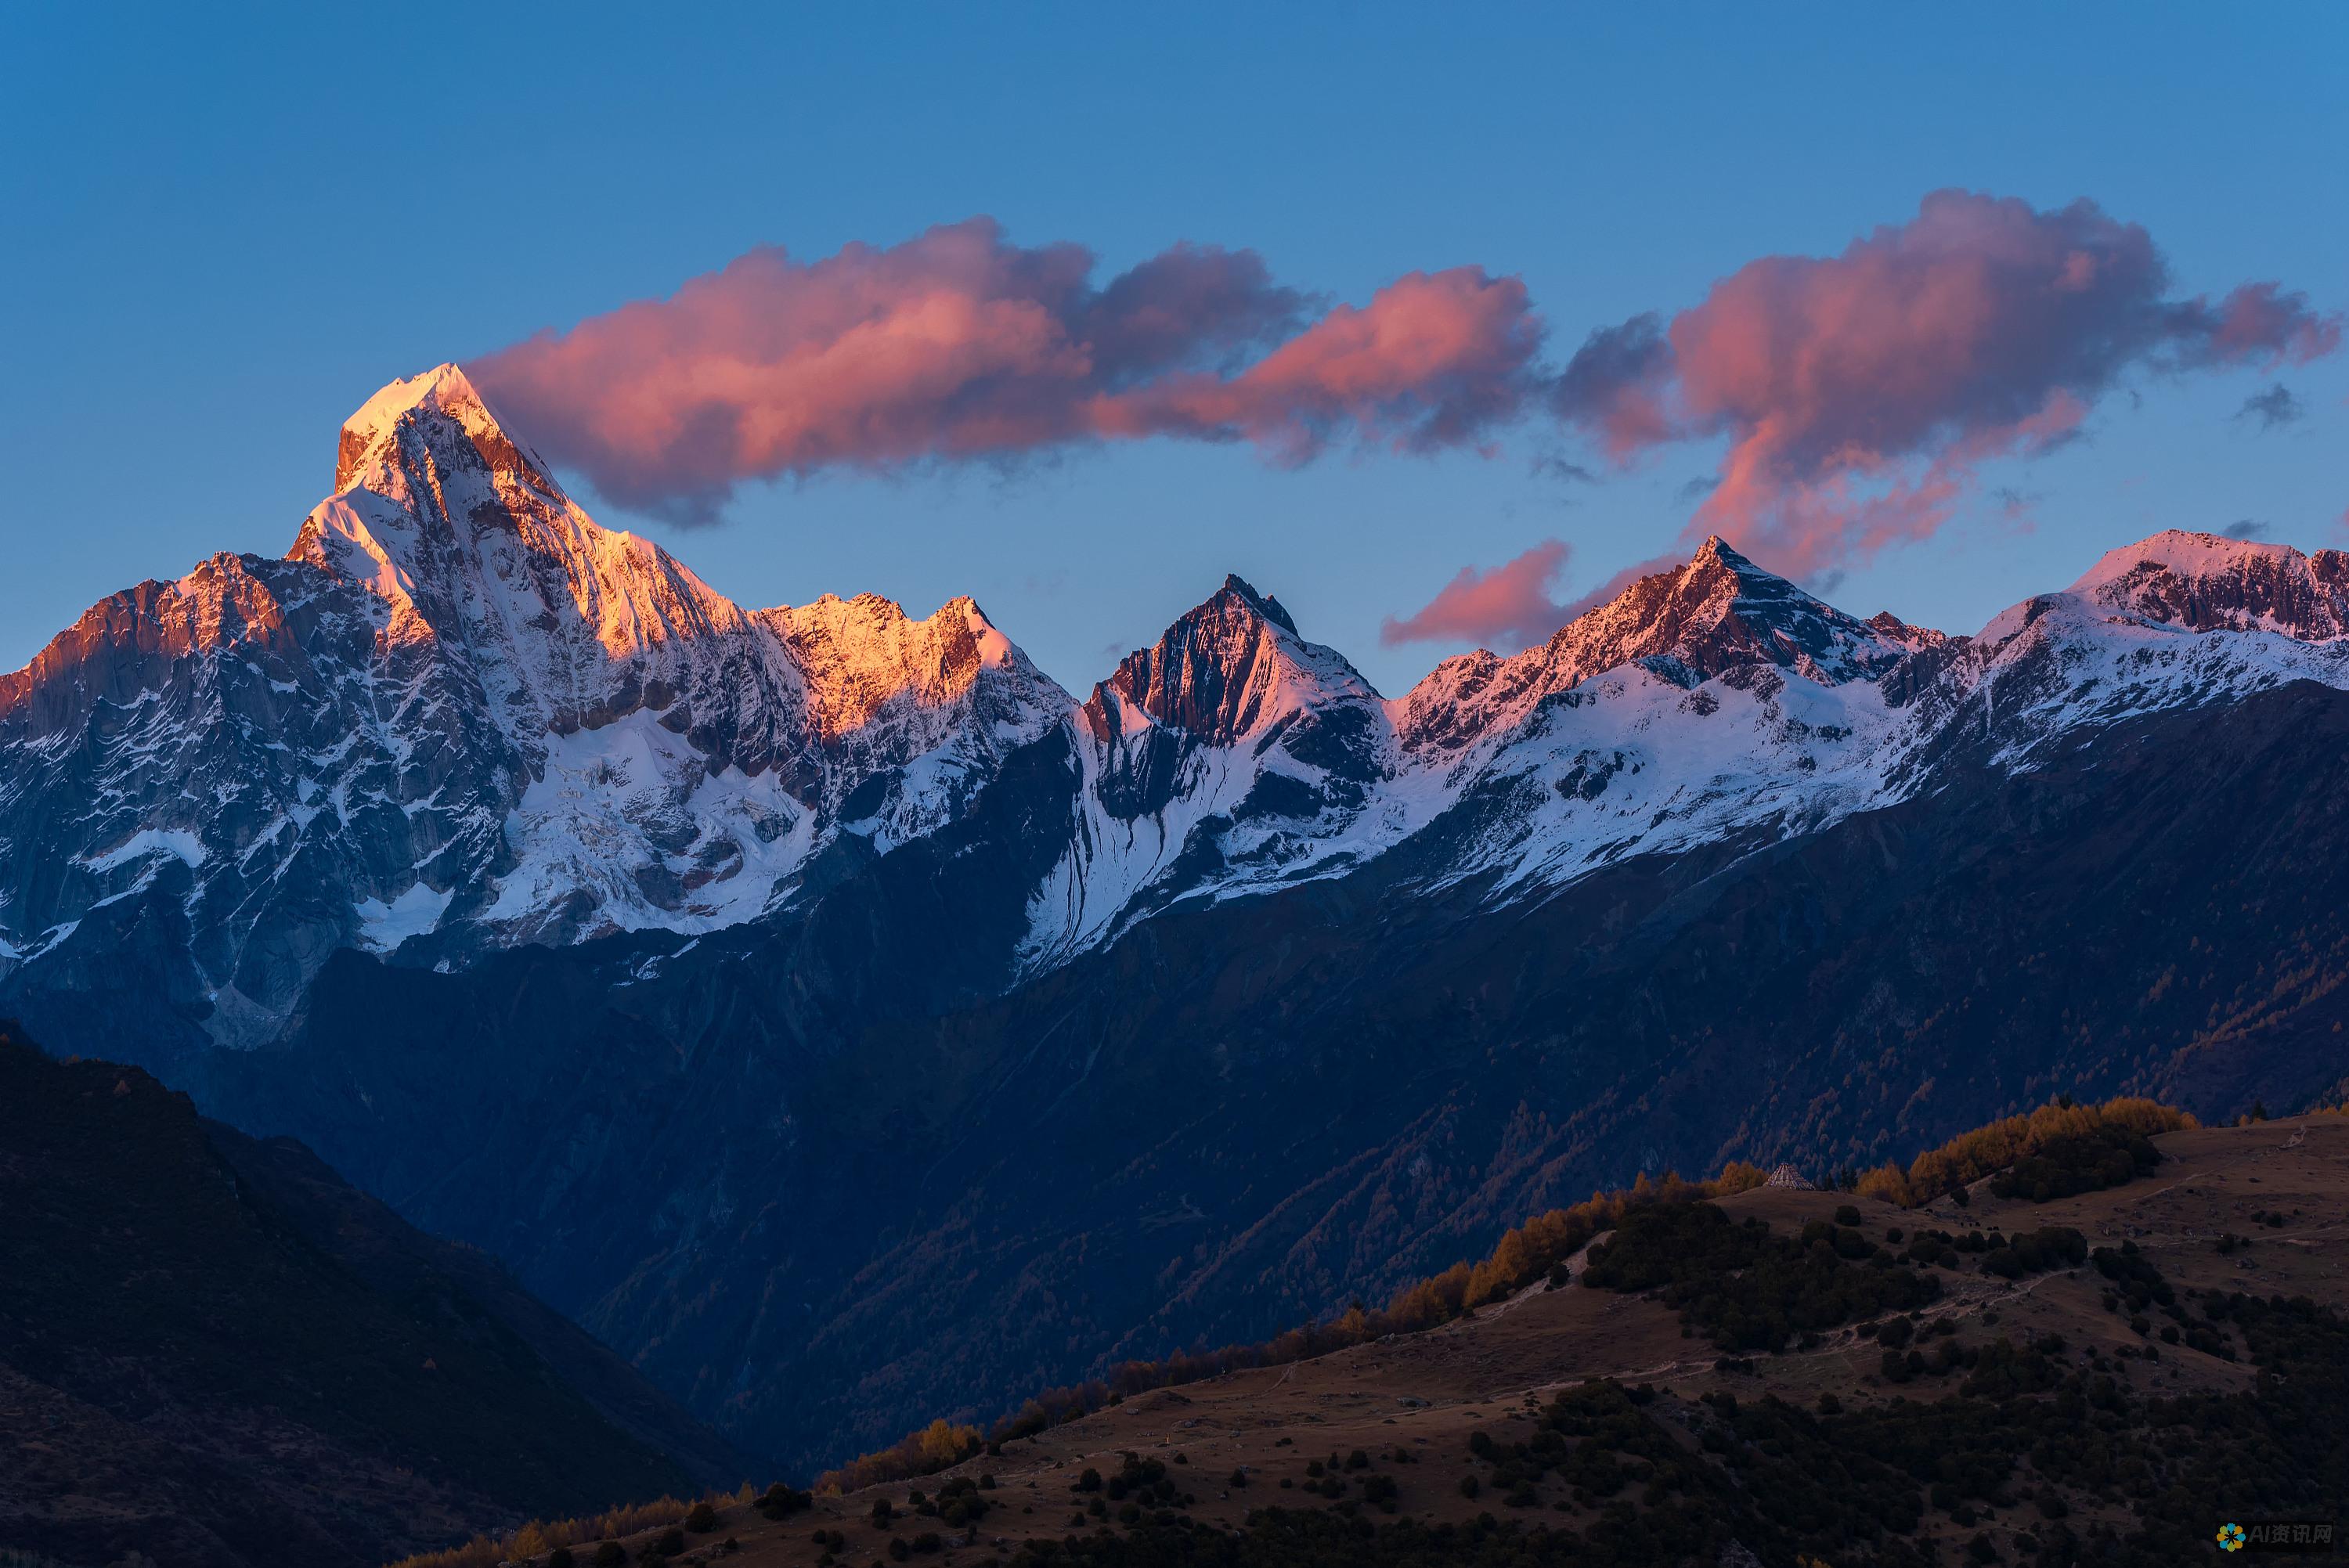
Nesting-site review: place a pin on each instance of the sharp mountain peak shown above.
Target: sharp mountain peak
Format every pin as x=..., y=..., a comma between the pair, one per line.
x=1226, y=667
x=1265, y=605
x=372, y=433
x=1717, y=610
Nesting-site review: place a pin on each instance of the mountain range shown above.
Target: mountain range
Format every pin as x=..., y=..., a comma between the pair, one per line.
x=787, y=993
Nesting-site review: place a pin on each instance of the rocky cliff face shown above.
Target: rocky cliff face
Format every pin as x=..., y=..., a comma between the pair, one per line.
x=1229, y=756
x=2204, y=582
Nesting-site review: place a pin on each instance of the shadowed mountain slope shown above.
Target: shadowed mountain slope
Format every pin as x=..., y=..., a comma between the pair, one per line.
x=1243, y=1114
x=213, y=1351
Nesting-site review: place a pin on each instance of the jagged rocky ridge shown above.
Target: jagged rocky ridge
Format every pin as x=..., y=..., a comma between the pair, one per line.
x=460, y=713
x=459, y=716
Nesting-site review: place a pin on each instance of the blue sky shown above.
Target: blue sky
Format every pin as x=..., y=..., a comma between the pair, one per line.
x=224, y=234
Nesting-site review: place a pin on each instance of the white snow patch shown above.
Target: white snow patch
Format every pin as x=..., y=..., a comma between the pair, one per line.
x=175, y=841
x=629, y=810
x=384, y=926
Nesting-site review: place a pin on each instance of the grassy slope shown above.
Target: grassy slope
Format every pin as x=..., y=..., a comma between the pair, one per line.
x=2152, y=1445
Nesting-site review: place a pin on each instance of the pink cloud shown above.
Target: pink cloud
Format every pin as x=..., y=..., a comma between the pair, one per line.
x=957, y=345
x=1861, y=392
x=1506, y=609
x=1616, y=387
x=1435, y=360
x=1858, y=393
x=2261, y=324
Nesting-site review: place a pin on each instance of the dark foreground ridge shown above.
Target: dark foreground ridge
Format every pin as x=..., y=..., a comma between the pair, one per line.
x=215, y=1353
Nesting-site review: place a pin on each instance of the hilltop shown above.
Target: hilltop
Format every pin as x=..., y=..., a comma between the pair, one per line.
x=2064, y=1415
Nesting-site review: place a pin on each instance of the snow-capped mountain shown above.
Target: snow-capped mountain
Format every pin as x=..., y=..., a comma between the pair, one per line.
x=2207, y=582
x=1234, y=756
x=459, y=715
x=1719, y=700
x=1718, y=613
x=1703, y=702
x=1229, y=755
x=460, y=705
x=2177, y=621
